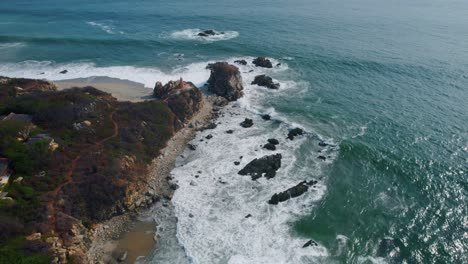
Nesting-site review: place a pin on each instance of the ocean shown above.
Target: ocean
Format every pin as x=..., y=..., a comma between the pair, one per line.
x=383, y=83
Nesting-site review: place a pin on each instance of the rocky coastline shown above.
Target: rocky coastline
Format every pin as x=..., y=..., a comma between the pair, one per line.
x=90, y=236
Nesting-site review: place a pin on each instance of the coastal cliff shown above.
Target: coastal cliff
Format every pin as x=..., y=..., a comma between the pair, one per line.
x=78, y=157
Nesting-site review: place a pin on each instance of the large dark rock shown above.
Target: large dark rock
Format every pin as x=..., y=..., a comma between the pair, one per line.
x=265, y=166
x=247, y=123
x=273, y=141
x=262, y=62
x=266, y=117
x=269, y=146
x=183, y=98
x=265, y=81
x=225, y=80
x=64, y=71
x=292, y=192
x=295, y=132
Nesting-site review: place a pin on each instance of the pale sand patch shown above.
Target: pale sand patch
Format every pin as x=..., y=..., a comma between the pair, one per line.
x=123, y=90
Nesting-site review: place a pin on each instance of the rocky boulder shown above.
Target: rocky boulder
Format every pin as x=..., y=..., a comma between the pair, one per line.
x=269, y=146
x=262, y=62
x=265, y=81
x=292, y=192
x=247, y=123
x=265, y=166
x=183, y=98
x=225, y=80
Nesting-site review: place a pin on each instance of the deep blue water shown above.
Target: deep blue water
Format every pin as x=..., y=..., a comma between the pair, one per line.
x=387, y=81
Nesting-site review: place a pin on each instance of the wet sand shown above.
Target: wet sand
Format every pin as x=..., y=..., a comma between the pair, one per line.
x=137, y=242
x=123, y=90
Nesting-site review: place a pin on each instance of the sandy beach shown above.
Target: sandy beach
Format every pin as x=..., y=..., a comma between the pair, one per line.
x=123, y=90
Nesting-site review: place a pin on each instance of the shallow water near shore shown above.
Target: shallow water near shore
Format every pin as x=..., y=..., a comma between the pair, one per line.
x=383, y=83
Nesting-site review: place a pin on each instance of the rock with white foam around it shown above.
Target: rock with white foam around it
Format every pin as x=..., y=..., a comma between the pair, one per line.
x=265, y=166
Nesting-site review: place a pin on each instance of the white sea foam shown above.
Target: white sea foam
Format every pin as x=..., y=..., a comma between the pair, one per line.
x=148, y=76
x=11, y=45
x=212, y=207
x=106, y=28
x=192, y=34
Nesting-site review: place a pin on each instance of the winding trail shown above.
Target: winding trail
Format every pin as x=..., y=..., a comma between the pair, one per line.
x=69, y=175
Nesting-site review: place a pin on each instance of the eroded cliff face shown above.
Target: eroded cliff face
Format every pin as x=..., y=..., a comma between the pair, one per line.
x=183, y=98
x=100, y=167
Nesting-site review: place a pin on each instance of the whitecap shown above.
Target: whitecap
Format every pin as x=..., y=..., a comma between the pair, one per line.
x=106, y=28
x=10, y=45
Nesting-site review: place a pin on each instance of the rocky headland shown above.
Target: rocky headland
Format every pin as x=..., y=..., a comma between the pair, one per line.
x=84, y=164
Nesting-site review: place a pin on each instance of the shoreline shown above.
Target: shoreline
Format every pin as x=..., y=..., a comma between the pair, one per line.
x=109, y=235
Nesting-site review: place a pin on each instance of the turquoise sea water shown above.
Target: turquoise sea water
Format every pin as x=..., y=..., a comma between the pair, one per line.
x=386, y=81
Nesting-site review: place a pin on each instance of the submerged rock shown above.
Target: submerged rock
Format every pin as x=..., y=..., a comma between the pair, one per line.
x=322, y=158
x=241, y=62
x=230, y=131
x=262, y=62
x=64, y=71
x=295, y=132
x=322, y=144
x=265, y=166
x=292, y=192
x=266, y=117
x=247, y=123
x=265, y=81
x=225, y=80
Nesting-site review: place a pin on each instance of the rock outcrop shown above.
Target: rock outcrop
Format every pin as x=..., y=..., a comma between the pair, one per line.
x=265, y=166
x=292, y=192
x=225, y=80
x=265, y=81
x=209, y=32
x=21, y=86
x=262, y=62
x=183, y=98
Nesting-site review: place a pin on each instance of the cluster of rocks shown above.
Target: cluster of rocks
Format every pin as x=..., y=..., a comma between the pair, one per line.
x=271, y=145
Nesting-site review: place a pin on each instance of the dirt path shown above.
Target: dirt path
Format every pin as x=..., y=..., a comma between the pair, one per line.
x=69, y=176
